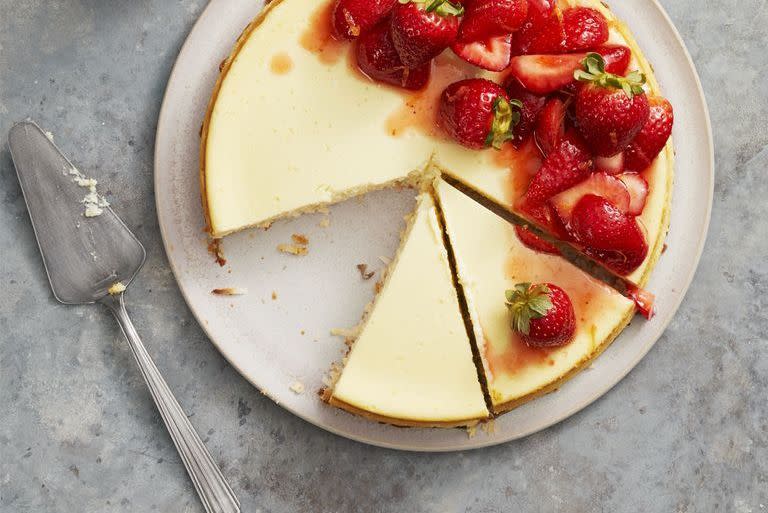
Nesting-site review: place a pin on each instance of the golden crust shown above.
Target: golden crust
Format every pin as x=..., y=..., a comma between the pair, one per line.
x=401, y=422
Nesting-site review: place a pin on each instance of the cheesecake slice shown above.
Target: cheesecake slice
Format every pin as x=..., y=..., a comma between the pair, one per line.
x=490, y=259
x=411, y=363
x=293, y=126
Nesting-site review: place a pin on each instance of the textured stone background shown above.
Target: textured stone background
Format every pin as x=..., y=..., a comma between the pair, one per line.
x=686, y=431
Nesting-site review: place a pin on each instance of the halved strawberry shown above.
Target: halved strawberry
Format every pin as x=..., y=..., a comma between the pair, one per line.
x=567, y=165
x=598, y=184
x=422, y=30
x=546, y=73
x=608, y=235
x=650, y=140
x=491, y=18
x=550, y=125
x=556, y=31
x=477, y=113
x=616, y=58
x=351, y=18
x=638, y=192
x=492, y=54
x=532, y=105
x=610, y=165
x=534, y=242
x=378, y=59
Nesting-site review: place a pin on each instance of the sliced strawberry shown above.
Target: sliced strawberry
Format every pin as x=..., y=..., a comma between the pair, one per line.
x=567, y=165
x=610, y=165
x=422, y=30
x=584, y=28
x=550, y=125
x=379, y=60
x=351, y=18
x=534, y=242
x=540, y=9
x=532, y=105
x=608, y=235
x=638, y=192
x=492, y=54
x=644, y=301
x=651, y=139
x=544, y=74
x=484, y=19
x=598, y=184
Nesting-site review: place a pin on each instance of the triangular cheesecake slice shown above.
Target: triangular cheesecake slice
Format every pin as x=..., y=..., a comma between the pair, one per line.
x=411, y=363
x=490, y=259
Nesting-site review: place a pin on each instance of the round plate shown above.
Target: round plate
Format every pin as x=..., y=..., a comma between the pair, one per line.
x=277, y=334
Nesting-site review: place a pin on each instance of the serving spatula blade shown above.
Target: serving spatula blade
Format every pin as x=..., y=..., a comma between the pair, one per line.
x=83, y=256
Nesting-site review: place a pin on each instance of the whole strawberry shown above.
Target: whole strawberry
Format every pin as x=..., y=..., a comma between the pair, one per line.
x=478, y=113
x=650, y=140
x=608, y=235
x=422, y=30
x=542, y=314
x=351, y=18
x=610, y=109
x=484, y=19
x=379, y=60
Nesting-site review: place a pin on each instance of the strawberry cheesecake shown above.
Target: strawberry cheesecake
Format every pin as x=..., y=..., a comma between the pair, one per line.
x=545, y=110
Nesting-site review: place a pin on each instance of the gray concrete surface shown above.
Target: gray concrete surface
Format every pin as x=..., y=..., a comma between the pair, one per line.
x=686, y=431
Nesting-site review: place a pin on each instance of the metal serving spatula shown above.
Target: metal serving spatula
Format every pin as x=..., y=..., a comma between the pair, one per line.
x=84, y=258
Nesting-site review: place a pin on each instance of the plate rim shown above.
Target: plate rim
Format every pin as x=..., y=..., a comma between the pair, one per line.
x=162, y=121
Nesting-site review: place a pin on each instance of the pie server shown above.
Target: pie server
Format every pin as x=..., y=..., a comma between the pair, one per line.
x=84, y=257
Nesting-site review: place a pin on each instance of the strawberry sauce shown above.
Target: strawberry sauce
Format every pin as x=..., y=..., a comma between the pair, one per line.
x=517, y=355
x=318, y=38
x=281, y=64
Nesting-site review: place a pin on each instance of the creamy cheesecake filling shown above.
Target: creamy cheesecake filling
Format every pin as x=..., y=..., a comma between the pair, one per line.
x=412, y=363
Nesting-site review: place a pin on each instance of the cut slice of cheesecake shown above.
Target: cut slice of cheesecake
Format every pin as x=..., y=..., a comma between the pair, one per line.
x=292, y=126
x=490, y=259
x=411, y=363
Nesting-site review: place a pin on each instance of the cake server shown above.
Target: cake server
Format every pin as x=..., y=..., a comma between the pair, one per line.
x=92, y=260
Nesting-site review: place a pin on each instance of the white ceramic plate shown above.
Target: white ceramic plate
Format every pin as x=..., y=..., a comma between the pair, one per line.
x=277, y=342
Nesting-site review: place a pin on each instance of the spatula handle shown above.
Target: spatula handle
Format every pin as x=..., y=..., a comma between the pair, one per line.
x=216, y=494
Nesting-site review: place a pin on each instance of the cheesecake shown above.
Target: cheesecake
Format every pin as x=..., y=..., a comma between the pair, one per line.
x=490, y=259
x=305, y=114
x=411, y=363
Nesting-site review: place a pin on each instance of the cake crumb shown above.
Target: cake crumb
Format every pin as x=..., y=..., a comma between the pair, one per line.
x=293, y=249
x=348, y=334
x=364, y=272
x=664, y=248
x=214, y=248
x=471, y=431
x=297, y=387
x=116, y=288
x=379, y=285
x=230, y=291
x=325, y=222
x=274, y=296
x=49, y=135
x=385, y=260
x=300, y=239
x=303, y=332
x=330, y=379
x=94, y=203
x=489, y=426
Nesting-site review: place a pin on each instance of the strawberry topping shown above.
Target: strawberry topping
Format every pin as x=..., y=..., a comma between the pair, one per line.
x=534, y=242
x=550, y=125
x=532, y=105
x=484, y=19
x=379, y=60
x=650, y=140
x=542, y=314
x=492, y=54
x=477, y=113
x=351, y=18
x=422, y=30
